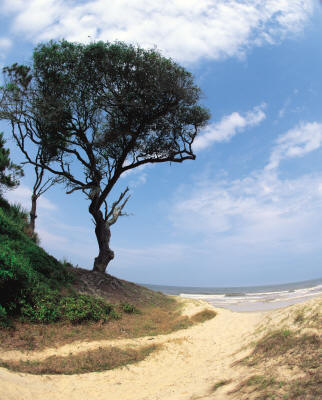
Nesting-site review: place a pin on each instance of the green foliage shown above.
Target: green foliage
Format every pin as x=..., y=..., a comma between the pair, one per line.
x=41, y=305
x=129, y=308
x=24, y=267
x=132, y=93
x=115, y=315
x=219, y=384
x=80, y=308
x=96, y=105
x=17, y=213
x=9, y=172
x=286, y=333
x=46, y=306
x=31, y=280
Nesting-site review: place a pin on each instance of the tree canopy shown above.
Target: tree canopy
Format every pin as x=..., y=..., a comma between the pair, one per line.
x=107, y=107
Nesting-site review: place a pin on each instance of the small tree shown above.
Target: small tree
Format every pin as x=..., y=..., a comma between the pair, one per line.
x=97, y=111
x=20, y=80
x=9, y=172
x=41, y=185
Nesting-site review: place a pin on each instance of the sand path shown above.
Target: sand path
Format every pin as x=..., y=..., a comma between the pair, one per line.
x=188, y=365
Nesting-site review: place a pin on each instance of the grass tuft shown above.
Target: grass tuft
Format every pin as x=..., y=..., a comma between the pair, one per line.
x=150, y=320
x=219, y=384
x=203, y=316
x=288, y=350
x=98, y=360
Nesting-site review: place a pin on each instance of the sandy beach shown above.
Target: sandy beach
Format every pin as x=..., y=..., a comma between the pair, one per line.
x=190, y=362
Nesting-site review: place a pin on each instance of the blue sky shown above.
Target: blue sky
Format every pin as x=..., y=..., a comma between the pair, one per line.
x=249, y=210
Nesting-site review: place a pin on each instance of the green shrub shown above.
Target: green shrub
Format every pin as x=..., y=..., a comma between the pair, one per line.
x=46, y=306
x=43, y=306
x=31, y=280
x=128, y=308
x=114, y=314
x=17, y=213
x=25, y=267
x=80, y=308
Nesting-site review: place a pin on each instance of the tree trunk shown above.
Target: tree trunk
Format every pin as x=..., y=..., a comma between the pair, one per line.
x=33, y=215
x=103, y=235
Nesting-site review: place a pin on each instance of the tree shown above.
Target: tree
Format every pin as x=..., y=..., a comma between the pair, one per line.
x=41, y=185
x=9, y=172
x=104, y=107
x=20, y=79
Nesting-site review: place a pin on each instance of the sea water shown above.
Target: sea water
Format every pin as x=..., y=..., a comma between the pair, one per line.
x=248, y=298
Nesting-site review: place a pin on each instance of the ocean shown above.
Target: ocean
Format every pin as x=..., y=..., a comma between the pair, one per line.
x=248, y=298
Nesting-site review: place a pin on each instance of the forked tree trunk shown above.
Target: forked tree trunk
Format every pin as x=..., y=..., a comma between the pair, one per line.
x=103, y=235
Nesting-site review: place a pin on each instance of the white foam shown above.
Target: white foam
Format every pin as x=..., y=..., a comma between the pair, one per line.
x=258, y=300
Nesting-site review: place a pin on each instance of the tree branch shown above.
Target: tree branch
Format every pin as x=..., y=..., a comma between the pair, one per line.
x=116, y=209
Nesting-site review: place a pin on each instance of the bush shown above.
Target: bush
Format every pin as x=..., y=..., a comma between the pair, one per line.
x=43, y=306
x=128, y=308
x=46, y=306
x=80, y=308
x=31, y=280
x=25, y=268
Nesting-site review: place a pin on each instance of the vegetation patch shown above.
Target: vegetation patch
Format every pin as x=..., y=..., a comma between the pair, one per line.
x=151, y=320
x=309, y=317
x=262, y=387
x=27, y=272
x=219, y=384
x=298, y=355
x=98, y=360
x=203, y=316
x=45, y=302
x=285, y=343
x=129, y=308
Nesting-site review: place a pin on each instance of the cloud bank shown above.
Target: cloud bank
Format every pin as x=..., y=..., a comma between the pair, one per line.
x=22, y=195
x=263, y=211
x=297, y=142
x=183, y=29
x=228, y=127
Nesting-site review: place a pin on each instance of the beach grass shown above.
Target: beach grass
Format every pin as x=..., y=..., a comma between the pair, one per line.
x=148, y=320
x=287, y=365
x=203, y=316
x=98, y=360
x=219, y=384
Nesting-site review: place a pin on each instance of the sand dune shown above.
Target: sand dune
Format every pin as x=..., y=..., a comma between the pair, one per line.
x=187, y=367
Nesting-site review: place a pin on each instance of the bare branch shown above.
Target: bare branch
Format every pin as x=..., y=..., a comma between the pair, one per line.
x=88, y=186
x=117, y=202
x=116, y=209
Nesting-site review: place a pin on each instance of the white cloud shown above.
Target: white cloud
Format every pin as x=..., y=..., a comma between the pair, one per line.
x=258, y=216
x=228, y=127
x=186, y=30
x=297, y=142
x=149, y=254
x=261, y=212
x=23, y=194
x=136, y=176
x=5, y=43
x=140, y=180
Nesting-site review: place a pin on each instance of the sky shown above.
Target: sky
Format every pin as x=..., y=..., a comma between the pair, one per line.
x=248, y=210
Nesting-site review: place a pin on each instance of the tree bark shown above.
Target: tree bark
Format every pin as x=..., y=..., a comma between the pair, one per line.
x=103, y=235
x=33, y=215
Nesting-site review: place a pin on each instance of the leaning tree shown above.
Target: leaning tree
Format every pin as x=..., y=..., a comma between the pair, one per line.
x=104, y=107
